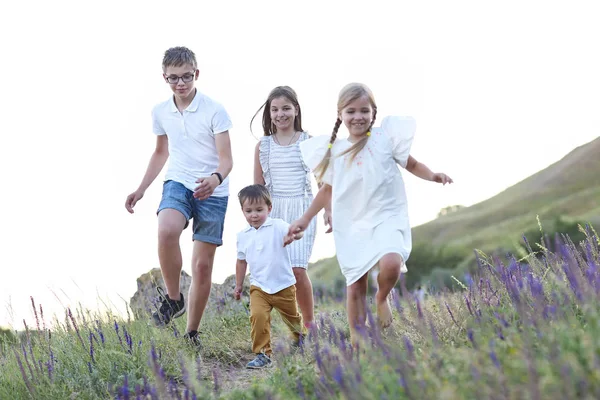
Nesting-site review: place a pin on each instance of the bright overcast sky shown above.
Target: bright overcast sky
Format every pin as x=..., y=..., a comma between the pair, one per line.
x=499, y=90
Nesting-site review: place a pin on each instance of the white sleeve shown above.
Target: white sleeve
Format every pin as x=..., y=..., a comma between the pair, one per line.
x=401, y=132
x=313, y=152
x=157, y=127
x=241, y=246
x=220, y=121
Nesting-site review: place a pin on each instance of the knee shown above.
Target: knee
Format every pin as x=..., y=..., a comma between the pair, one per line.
x=391, y=263
x=259, y=318
x=168, y=234
x=202, y=269
x=354, y=291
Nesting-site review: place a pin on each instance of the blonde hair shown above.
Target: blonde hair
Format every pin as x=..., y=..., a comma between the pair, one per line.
x=348, y=94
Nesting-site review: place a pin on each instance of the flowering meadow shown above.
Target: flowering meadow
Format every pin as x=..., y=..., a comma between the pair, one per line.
x=520, y=327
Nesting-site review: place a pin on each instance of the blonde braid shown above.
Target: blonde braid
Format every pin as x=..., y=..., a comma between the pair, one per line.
x=324, y=164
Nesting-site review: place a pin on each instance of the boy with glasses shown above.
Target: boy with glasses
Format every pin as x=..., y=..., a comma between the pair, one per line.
x=193, y=130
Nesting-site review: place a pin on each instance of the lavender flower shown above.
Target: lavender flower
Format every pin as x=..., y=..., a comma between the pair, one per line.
x=450, y=312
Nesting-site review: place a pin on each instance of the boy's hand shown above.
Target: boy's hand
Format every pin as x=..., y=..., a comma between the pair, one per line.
x=290, y=238
x=206, y=187
x=237, y=293
x=132, y=199
x=441, y=178
x=295, y=228
x=328, y=221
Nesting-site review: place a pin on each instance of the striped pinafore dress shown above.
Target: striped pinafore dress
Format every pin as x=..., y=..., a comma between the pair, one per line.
x=288, y=180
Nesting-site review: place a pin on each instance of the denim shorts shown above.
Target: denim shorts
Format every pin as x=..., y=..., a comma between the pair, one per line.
x=208, y=215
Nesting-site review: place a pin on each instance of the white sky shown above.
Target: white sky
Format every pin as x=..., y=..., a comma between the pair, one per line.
x=499, y=90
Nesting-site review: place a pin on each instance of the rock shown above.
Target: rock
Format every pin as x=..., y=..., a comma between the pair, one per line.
x=143, y=301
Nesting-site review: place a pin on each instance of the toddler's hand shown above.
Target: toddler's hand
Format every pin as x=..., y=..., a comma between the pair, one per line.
x=441, y=178
x=237, y=293
x=296, y=227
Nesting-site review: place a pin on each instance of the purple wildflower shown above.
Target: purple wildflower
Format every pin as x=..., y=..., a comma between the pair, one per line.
x=42, y=318
x=92, y=347
x=300, y=389
x=24, y=375
x=409, y=347
x=468, y=305
x=338, y=375
x=217, y=386
x=76, y=328
x=450, y=312
x=471, y=337
x=37, y=320
x=493, y=356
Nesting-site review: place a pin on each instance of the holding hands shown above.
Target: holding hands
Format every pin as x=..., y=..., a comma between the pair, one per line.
x=295, y=231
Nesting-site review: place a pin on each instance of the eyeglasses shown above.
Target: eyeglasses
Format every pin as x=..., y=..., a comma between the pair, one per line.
x=186, y=78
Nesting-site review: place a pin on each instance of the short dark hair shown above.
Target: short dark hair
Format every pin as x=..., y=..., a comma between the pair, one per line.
x=178, y=56
x=255, y=193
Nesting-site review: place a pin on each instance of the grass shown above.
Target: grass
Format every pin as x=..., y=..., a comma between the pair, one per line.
x=518, y=329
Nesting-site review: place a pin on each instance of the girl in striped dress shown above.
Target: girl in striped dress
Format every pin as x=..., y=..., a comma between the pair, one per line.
x=278, y=165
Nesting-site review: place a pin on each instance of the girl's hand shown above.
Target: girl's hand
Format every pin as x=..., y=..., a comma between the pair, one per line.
x=328, y=221
x=296, y=227
x=441, y=178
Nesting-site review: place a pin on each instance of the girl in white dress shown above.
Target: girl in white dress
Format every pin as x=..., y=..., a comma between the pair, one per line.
x=279, y=166
x=360, y=178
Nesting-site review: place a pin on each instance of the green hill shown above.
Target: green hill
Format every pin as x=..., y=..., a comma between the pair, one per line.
x=568, y=190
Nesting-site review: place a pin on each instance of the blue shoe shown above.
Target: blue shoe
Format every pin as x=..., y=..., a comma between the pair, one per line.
x=261, y=361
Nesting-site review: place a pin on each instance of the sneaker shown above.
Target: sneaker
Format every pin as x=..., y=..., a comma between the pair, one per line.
x=261, y=361
x=193, y=338
x=168, y=308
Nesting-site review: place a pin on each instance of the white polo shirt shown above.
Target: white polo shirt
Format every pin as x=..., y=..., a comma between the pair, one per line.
x=192, y=149
x=268, y=261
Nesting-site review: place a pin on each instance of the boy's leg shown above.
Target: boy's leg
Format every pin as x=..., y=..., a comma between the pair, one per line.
x=173, y=212
x=285, y=302
x=202, y=263
x=170, y=225
x=260, y=320
x=304, y=295
x=389, y=272
x=356, y=304
x=209, y=220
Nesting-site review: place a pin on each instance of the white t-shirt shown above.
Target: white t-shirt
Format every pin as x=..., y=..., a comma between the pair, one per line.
x=192, y=149
x=268, y=261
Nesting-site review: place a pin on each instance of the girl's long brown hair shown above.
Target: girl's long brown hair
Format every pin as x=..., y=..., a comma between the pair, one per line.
x=280, y=91
x=348, y=94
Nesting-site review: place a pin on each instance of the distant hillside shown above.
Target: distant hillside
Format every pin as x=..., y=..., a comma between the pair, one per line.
x=569, y=188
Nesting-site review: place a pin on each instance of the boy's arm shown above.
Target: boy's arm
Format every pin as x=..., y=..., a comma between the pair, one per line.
x=240, y=275
x=259, y=178
x=422, y=171
x=155, y=165
x=209, y=184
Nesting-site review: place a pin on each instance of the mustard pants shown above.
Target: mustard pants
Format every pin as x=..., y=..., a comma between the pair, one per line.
x=261, y=304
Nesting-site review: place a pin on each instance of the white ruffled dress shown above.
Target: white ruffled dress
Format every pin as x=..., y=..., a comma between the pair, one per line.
x=288, y=180
x=369, y=208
